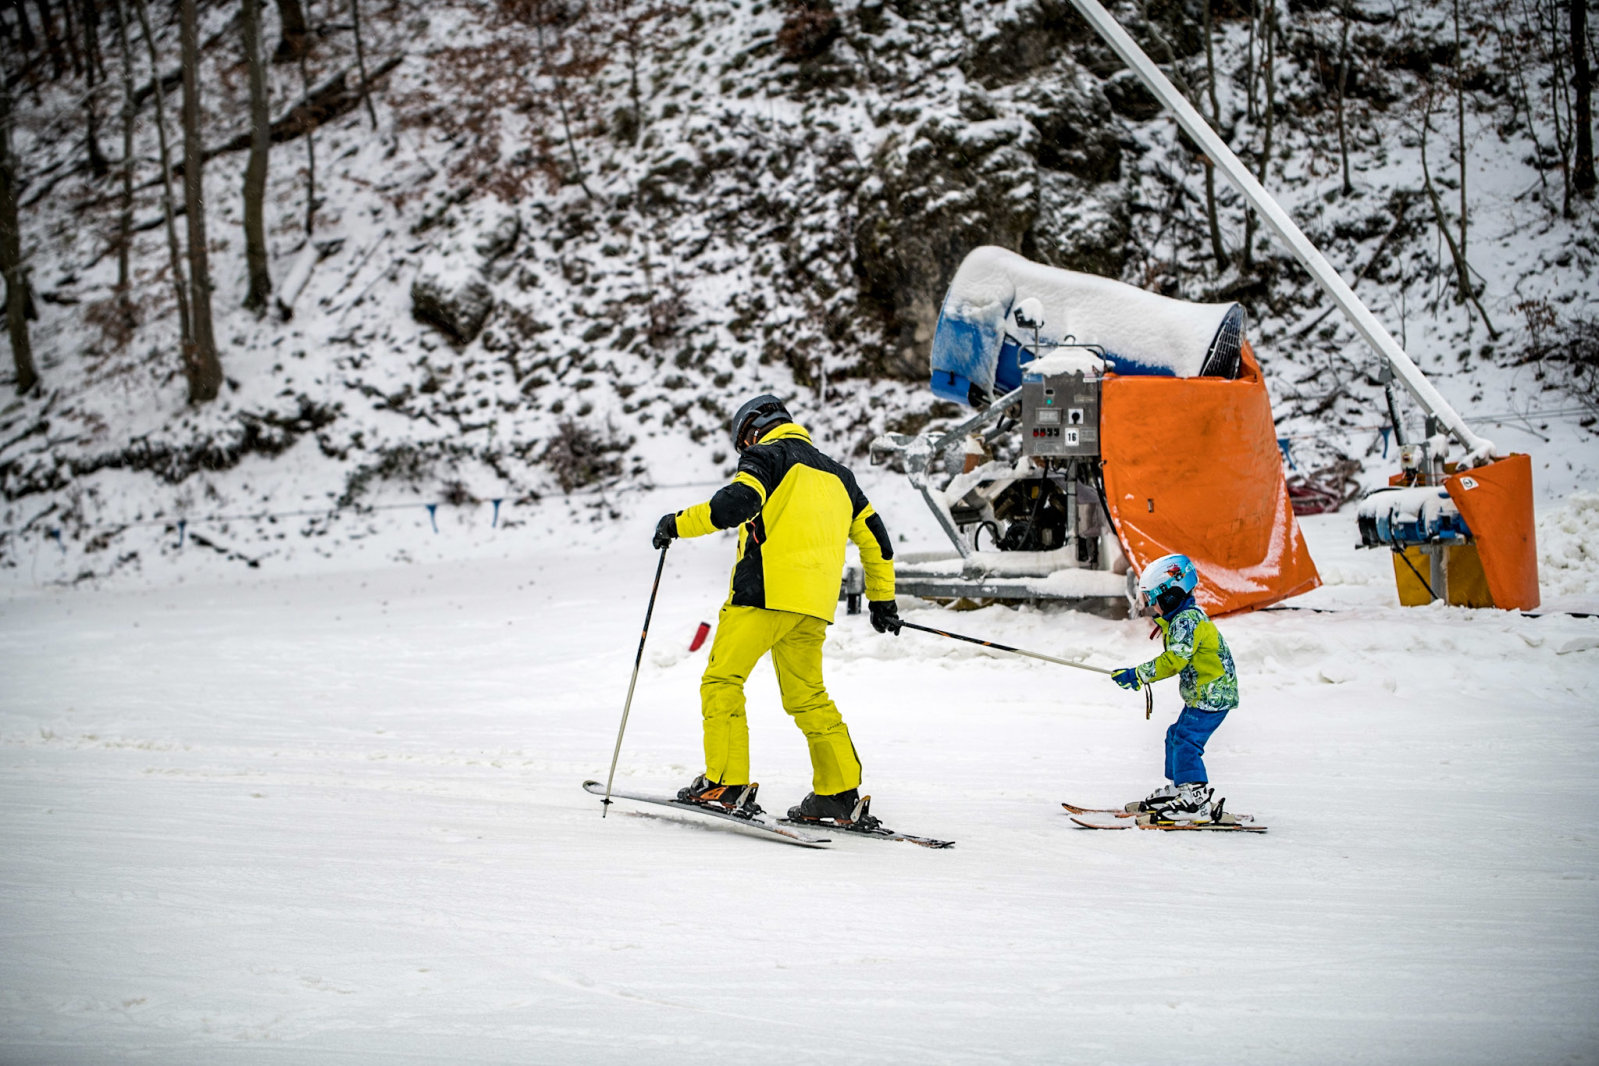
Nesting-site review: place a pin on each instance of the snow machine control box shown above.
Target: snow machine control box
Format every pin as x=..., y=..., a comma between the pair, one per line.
x=1060, y=416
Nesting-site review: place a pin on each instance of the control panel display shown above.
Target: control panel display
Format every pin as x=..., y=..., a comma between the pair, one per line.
x=1060, y=416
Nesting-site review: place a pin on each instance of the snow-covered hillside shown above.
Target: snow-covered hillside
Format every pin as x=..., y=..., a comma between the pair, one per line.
x=639, y=214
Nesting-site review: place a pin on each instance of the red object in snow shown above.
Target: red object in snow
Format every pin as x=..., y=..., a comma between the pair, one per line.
x=699, y=636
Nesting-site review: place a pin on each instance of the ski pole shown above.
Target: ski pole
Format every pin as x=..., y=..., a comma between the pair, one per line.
x=1149, y=697
x=1005, y=647
x=605, y=804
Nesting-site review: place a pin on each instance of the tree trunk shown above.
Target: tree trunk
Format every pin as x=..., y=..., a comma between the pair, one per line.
x=99, y=166
x=1582, y=172
x=1268, y=29
x=11, y=265
x=52, y=43
x=1217, y=248
x=203, y=367
x=1563, y=143
x=1464, y=291
x=125, y=215
x=296, y=37
x=169, y=210
x=1460, y=123
x=1343, y=82
x=360, y=63
x=25, y=28
x=310, y=157
x=255, y=171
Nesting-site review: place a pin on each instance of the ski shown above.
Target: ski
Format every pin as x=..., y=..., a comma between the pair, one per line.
x=1147, y=821
x=761, y=825
x=873, y=828
x=878, y=833
x=1116, y=811
x=1130, y=812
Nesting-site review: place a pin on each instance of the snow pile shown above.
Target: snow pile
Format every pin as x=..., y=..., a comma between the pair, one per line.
x=1568, y=549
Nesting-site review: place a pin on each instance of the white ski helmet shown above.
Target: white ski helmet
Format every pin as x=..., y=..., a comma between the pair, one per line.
x=1168, y=581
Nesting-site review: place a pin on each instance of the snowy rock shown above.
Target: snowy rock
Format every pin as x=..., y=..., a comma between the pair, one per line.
x=456, y=300
x=501, y=239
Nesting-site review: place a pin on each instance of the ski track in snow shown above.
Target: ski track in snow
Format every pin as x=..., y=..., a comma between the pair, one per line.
x=336, y=818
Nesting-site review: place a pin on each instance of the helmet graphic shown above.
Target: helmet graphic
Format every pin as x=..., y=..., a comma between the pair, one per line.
x=759, y=413
x=1168, y=581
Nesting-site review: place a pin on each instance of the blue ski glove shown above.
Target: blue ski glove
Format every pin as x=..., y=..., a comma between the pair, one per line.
x=665, y=531
x=885, y=616
x=1127, y=677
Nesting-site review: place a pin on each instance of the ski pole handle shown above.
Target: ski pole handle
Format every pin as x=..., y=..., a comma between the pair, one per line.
x=605, y=804
x=1004, y=647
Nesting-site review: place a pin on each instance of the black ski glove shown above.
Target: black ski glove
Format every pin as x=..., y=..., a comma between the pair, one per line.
x=885, y=616
x=665, y=531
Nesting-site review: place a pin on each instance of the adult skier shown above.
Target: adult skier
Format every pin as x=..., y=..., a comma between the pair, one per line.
x=795, y=507
x=1196, y=652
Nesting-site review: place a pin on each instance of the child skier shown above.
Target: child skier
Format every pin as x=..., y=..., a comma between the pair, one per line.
x=1195, y=650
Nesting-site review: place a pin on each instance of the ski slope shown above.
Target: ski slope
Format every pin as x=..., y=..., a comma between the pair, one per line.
x=334, y=816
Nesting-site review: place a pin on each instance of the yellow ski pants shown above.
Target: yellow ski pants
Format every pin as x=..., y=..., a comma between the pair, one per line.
x=743, y=635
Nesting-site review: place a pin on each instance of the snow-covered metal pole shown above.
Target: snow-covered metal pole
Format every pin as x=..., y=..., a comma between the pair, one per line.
x=1431, y=400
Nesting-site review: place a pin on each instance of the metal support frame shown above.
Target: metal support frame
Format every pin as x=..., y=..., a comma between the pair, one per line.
x=919, y=458
x=1431, y=400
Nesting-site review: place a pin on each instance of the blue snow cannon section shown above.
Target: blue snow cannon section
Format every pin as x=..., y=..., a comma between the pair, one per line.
x=975, y=357
x=978, y=352
x=1398, y=517
x=968, y=352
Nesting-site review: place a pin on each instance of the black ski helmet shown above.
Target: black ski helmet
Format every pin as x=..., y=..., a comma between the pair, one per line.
x=761, y=412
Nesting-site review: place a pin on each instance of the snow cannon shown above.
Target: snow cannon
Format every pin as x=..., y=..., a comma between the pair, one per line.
x=1000, y=306
x=1463, y=536
x=1112, y=426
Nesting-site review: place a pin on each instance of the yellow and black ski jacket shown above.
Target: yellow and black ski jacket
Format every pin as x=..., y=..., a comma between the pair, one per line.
x=796, y=507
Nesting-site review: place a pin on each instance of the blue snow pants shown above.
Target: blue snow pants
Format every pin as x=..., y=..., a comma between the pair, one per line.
x=1185, y=744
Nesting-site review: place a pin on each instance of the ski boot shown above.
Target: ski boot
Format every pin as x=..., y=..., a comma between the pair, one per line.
x=729, y=799
x=847, y=810
x=1154, y=801
x=1191, y=804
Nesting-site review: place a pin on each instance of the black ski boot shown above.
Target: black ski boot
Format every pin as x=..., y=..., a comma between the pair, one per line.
x=730, y=799
x=844, y=809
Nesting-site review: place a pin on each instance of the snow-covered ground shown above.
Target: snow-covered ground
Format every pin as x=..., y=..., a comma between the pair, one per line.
x=332, y=815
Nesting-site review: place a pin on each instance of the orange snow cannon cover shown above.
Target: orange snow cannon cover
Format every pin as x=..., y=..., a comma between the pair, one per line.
x=1496, y=502
x=1192, y=466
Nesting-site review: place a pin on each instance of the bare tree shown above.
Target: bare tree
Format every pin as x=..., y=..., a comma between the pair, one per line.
x=203, y=367
x=1268, y=30
x=52, y=41
x=99, y=166
x=1464, y=290
x=1343, y=85
x=1460, y=125
x=296, y=36
x=310, y=154
x=11, y=264
x=168, y=207
x=1582, y=172
x=24, y=28
x=255, y=170
x=556, y=72
x=1217, y=248
x=125, y=214
x=360, y=62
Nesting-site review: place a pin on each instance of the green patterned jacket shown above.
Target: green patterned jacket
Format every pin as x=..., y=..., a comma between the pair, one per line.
x=1196, y=650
